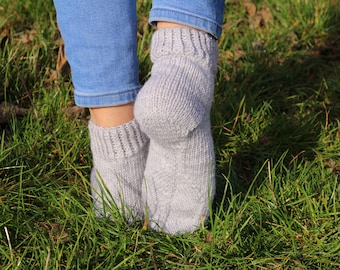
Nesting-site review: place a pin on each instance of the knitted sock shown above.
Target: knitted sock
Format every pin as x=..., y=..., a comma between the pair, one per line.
x=119, y=156
x=173, y=109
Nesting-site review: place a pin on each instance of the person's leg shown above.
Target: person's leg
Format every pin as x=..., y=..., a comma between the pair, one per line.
x=204, y=15
x=112, y=116
x=100, y=43
x=173, y=109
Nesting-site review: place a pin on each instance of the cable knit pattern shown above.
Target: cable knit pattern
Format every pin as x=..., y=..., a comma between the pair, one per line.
x=119, y=156
x=173, y=109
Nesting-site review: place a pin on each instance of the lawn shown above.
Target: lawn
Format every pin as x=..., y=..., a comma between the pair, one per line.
x=275, y=122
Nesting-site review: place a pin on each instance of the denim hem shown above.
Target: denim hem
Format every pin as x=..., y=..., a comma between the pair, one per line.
x=186, y=18
x=114, y=98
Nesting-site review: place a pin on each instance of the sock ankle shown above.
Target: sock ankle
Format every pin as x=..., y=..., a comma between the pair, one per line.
x=173, y=110
x=119, y=156
x=179, y=92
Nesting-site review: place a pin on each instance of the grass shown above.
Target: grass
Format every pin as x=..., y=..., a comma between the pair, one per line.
x=276, y=130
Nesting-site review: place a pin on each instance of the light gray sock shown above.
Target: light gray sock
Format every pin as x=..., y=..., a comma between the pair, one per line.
x=173, y=109
x=119, y=156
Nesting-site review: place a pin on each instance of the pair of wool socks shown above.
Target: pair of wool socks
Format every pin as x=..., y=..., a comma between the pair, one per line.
x=171, y=180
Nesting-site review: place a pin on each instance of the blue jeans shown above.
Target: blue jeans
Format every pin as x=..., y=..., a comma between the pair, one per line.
x=101, y=42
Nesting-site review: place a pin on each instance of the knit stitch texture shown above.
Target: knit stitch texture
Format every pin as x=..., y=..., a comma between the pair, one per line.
x=173, y=109
x=119, y=156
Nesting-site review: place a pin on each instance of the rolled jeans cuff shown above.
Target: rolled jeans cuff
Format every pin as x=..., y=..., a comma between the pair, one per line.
x=203, y=16
x=97, y=99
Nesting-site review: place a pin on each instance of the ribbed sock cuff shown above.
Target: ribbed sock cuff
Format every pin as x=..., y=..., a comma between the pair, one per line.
x=184, y=42
x=117, y=142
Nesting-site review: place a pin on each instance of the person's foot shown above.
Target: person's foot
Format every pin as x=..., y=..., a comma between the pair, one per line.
x=173, y=109
x=119, y=156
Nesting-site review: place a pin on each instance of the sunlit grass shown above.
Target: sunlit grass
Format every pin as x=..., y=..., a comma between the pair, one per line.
x=276, y=129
